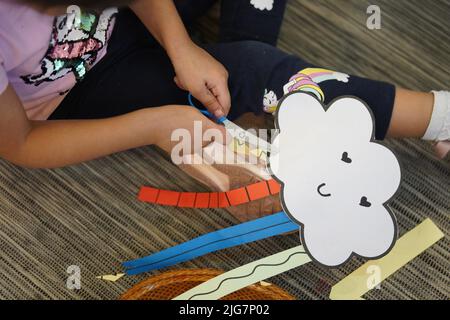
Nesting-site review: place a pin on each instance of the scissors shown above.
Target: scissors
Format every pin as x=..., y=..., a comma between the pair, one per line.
x=241, y=135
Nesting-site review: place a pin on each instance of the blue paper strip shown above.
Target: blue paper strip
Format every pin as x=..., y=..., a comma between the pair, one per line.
x=226, y=238
x=222, y=234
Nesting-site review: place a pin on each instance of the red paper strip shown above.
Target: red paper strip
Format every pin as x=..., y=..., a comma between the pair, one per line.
x=258, y=191
x=187, y=200
x=202, y=200
x=274, y=187
x=231, y=198
x=238, y=197
x=214, y=200
x=168, y=198
x=223, y=200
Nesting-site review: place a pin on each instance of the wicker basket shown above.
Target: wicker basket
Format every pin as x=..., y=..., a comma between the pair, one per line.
x=169, y=285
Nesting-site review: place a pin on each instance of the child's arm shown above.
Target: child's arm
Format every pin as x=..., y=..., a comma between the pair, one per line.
x=196, y=70
x=49, y=144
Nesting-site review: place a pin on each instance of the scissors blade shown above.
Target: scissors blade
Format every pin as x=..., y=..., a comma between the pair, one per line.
x=245, y=137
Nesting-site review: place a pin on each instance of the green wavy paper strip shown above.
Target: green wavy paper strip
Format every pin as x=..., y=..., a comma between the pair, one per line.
x=247, y=275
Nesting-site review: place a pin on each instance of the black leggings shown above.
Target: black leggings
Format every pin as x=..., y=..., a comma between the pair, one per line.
x=136, y=72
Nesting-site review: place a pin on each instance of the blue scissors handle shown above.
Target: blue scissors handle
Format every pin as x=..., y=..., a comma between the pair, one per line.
x=205, y=112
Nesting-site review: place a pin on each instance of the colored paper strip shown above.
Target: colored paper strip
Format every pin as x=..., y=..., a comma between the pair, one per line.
x=112, y=277
x=412, y=244
x=247, y=275
x=236, y=197
x=226, y=238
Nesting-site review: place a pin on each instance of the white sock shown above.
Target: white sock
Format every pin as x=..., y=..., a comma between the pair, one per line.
x=439, y=128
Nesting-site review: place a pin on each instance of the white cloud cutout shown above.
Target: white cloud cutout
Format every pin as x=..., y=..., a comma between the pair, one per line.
x=262, y=4
x=336, y=179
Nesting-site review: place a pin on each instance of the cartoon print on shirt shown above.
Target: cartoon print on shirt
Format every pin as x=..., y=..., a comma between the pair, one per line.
x=307, y=80
x=73, y=49
x=270, y=101
x=263, y=4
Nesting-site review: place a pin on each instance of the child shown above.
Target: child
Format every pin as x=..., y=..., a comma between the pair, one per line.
x=74, y=89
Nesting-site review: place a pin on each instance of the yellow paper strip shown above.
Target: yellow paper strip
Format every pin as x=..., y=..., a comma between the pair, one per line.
x=112, y=277
x=244, y=150
x=372, y=273
x=247, y=275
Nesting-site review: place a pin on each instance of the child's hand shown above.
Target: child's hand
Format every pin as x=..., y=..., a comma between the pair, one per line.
x=187, y=118
x=196, y=71
x=203, y=76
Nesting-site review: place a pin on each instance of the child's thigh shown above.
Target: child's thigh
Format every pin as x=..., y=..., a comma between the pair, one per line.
x=121, y=84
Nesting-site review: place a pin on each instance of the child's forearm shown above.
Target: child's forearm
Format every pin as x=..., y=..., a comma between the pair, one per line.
x=51, y=144
x=163, y=21
x=411, y=115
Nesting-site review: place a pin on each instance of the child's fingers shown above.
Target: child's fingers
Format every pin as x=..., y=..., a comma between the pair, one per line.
x=209, y=100
x=222, y=94
x=179, y=84
x=216, y=133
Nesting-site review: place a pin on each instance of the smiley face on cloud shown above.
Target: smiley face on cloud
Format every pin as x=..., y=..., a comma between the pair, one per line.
x=336, y=179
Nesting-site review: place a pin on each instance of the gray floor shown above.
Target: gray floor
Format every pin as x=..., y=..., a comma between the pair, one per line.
x=87, y=215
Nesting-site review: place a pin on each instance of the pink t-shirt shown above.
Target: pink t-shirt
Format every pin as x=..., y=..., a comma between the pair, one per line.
x=43, y=57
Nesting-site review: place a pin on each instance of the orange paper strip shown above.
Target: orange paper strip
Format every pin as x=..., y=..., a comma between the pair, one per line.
x=231, y=198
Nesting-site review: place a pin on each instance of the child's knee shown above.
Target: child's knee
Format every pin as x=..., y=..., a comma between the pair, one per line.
x=260, y=53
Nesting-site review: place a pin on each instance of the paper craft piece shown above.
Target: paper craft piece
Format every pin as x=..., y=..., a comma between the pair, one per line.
x=226, y=238
x=231, y=198
x=336, y=179
x=263, y=4
x=246, y=151
x=247, y=275
x=112, y=277
x=413, y=243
